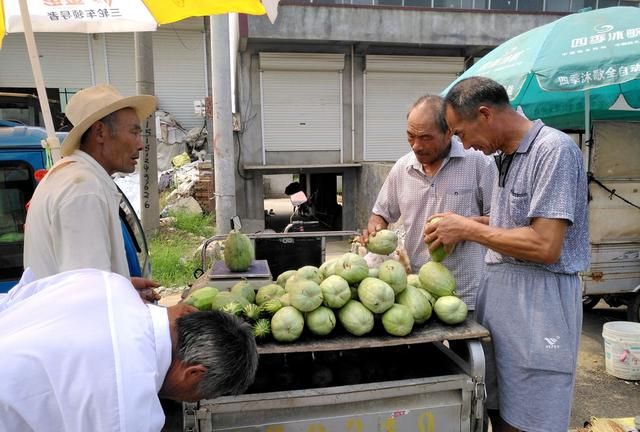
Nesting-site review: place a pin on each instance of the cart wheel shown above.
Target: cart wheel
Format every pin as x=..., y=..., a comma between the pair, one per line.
x=589, y=301
x=633, y=309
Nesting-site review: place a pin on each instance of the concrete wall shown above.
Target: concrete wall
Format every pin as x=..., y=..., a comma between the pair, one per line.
x=275, y=184
x=371, y=177
x=380, y=25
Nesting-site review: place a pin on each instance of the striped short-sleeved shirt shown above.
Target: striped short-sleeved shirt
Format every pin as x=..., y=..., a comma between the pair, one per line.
x=463, y=185
x=546, y=179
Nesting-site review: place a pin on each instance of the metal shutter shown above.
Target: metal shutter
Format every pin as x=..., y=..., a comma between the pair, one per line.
x=121, y=62
x=73, y=72
x=180, y=76
x=301, y=101
x=178, y=67
x=392, y=85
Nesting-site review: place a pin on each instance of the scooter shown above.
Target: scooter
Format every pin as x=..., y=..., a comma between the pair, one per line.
x=302, y=215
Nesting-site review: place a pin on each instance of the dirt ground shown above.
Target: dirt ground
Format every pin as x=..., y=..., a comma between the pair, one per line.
x=597, y=393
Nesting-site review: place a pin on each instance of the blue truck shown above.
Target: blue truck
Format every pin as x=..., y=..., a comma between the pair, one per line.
x=22, y=165
x=22, y=159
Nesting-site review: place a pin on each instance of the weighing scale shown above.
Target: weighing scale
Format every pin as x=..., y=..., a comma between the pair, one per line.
x=258, y=274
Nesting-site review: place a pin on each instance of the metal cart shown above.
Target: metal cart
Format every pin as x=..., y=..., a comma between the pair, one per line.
x=355, y=384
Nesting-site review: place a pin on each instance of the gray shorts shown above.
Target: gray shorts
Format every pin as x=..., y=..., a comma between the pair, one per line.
x=535, y=320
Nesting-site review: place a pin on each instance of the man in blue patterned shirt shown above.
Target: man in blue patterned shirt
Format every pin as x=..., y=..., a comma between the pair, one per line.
x=537, y=240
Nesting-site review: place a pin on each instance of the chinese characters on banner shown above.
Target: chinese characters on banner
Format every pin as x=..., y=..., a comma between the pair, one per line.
x=601, y=42
x=80, y=9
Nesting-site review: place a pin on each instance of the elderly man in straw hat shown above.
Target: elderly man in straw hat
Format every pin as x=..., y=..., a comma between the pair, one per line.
x=73, y=220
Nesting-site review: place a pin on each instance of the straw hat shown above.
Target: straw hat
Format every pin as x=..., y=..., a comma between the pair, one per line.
x=93, y=103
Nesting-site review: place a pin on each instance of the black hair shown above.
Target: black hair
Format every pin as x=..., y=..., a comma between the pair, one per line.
x=224, y=344
x=109, y=120
x=435, y=103
x=467, y=95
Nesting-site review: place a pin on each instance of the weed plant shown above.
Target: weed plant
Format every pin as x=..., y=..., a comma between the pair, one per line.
x=172, y=249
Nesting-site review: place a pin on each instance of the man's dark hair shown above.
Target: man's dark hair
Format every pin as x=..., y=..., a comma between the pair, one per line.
x=435, y=103
x=224, y=345
x=469, y=94
x=109, y=120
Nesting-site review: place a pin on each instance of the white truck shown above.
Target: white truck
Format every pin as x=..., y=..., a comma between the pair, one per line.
x=614, y=217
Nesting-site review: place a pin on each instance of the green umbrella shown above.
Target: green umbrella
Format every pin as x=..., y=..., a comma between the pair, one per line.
x=553, y=71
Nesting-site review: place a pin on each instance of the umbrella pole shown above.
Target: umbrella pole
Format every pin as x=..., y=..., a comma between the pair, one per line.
x=52, y=142
x=586, y=149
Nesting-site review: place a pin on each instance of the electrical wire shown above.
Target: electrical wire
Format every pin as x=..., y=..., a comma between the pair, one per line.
x=237, y=139
x=612, y=192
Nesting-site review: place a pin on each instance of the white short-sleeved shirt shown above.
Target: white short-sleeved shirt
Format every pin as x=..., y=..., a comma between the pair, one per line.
x=81, y=352
x=73, y=220
x=463, y=185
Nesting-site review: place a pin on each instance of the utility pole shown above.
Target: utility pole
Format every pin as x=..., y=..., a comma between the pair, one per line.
x=223, y=151
x=149, y=195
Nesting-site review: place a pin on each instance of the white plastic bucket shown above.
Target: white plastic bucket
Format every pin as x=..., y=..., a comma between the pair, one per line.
x=622, y=349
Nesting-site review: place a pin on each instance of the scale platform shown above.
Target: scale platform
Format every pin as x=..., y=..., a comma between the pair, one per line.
x=258, y=274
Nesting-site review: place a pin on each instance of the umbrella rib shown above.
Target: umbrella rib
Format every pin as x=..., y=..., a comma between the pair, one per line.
x=518, y=99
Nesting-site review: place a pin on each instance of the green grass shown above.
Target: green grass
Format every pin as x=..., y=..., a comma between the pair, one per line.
x=172, y=248
x=196, y=224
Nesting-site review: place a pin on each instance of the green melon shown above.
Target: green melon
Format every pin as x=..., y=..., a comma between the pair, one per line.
x=244, y=289
x=352, y=268
x=238, y=251
x=440, y=253
x=393, y=273
x=450, y=309
x=356, y=318
x=305, y=295
x=398, y=320
x=202, y=298
x=320, y=321
x=419, y=304
x=283, y=277
x=437, y=279
x=382, y=242
x=376, y=295
x=268, y=292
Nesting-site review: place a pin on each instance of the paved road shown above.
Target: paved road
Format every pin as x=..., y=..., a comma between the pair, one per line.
x=598, y=393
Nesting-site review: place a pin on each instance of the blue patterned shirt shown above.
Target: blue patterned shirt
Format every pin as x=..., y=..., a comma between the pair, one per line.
x=546, y=179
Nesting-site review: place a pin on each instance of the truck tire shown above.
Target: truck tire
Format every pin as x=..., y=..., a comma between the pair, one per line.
x=633, y=309
x=589, y=301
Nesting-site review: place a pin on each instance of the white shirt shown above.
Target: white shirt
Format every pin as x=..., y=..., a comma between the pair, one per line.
x=462, y=185
x=73, y=220
x=80, y=351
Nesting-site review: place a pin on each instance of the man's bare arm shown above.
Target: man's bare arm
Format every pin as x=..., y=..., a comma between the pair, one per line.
x=539, y=242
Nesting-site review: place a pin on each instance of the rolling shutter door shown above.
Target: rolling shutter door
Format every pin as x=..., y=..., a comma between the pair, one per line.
x=73, y=72
x=301, y=101
x=179, y=70
x=392, y=85
x=121, y=62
